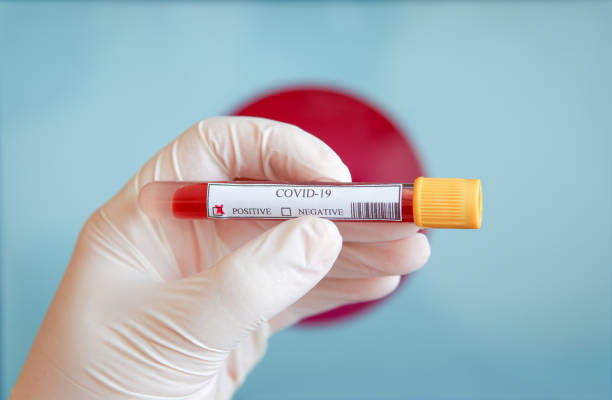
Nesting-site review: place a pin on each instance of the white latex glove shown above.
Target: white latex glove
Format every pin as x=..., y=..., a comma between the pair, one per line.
x=177, y=309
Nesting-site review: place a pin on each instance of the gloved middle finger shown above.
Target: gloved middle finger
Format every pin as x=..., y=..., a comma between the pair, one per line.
x=366, y=231
x=393, y=257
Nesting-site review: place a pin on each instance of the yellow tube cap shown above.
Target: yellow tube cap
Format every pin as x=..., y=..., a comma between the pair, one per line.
x=447, y=203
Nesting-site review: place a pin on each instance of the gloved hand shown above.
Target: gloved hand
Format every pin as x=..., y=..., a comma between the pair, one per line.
x=178, y=309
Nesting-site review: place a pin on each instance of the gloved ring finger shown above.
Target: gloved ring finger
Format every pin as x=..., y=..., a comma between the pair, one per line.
x=331, y=293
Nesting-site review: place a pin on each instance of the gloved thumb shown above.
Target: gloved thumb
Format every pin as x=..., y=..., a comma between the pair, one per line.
x=220, y=306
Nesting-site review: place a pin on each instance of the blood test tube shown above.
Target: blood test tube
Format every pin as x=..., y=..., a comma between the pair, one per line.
x=428, y=202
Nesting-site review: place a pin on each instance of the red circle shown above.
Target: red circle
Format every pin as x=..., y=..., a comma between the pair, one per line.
x=373, y=147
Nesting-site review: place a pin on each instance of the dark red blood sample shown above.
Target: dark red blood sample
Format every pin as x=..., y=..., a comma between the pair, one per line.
x=373, y=147
x=190, y=201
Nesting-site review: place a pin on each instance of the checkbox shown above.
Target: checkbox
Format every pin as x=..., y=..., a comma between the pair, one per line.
x=285, y=212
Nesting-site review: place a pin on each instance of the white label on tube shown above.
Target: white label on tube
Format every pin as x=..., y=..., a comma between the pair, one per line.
x=378, y=202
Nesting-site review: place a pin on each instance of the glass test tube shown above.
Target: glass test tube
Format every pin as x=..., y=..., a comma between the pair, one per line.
x=428, y=202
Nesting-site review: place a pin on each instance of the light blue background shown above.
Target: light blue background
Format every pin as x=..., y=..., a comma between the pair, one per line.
x=518, y=93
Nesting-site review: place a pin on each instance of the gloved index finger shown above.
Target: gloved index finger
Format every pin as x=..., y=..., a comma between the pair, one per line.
x=225, y=148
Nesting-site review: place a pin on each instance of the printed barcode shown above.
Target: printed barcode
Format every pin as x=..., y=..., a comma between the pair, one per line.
x=375, y=210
